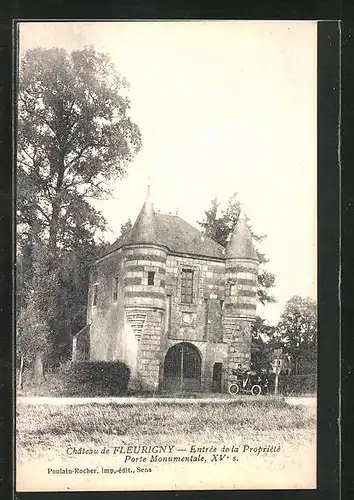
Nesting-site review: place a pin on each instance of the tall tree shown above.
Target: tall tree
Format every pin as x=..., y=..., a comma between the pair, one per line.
x=296, y=332
x=74, y=135
x=219, y=225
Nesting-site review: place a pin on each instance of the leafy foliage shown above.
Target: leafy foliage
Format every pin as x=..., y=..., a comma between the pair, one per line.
x=220, y=224
x=261, y=348
x=298, y=323
x=94, y=378
x=32, y=333
x=125, y=228
x=219, y=228
x=296, y=332
x=74, y=135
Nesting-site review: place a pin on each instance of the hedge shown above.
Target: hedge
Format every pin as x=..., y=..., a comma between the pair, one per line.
x=298, y=384
x=94, y=378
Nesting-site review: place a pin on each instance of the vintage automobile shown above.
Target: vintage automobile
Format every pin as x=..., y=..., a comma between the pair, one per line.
x=249, y=382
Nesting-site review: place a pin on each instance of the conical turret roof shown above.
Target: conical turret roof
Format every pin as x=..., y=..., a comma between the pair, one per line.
x=241, y=245
x=144, y=229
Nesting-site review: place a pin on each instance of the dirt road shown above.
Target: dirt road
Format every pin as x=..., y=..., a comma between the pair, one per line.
x=36, y=400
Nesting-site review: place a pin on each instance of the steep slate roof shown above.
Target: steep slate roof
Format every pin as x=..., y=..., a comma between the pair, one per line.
x=144, y=229
x=179, y=236
x=170, y=231
x=240, y=245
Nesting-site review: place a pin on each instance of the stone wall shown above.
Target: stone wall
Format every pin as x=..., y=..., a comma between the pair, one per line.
x=240, y=309
x=239, y=352
x=149, y=351
x=81, y=345
x=138, y=262
x=243, y=275
x=107, y=316
x=201, y=320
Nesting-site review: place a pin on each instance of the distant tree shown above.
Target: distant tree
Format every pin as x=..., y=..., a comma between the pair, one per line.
x=219, y=225
x=261, y=348
x=296, y=332
x=74, y=135
x=218, y=228
x=125, y=228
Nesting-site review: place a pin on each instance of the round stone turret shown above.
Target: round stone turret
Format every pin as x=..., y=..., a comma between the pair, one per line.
x=241, y=277
x=144, y=295
x=241, y=272
x=144, y=263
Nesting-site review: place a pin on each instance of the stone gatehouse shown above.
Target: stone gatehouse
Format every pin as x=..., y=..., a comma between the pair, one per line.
x=172, y=304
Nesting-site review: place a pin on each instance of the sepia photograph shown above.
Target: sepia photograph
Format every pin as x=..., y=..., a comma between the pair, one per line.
x=166, y=255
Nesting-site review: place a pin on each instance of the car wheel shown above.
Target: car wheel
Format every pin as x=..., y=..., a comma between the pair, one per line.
x=234, y=389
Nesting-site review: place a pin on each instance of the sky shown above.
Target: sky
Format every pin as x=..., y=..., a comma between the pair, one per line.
x=223, y=107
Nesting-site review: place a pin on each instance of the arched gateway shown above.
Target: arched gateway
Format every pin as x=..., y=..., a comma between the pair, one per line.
x=182, y=368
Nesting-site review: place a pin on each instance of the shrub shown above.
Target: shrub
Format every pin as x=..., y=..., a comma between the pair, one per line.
x=298, y=384
x=94, y=378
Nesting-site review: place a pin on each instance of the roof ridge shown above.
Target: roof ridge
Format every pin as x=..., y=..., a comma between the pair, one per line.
x=171, y=231
x=194, y=228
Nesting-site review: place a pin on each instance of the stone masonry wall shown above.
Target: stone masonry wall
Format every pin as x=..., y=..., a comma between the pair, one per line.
x=201, y=320
x=242, y=274
x=107, y=316
x=239, y=352
x=149, y=353
x=138, y=261
x=240, y=309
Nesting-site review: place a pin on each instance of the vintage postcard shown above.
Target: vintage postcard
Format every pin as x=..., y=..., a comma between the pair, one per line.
x=166, y=301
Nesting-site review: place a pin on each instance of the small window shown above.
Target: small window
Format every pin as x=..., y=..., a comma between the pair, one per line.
x=95, y=295
x=187, y=286
x=151, y=278
x=115, y=290
x=232, y=289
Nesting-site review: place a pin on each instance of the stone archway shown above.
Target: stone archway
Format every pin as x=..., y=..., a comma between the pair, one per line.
x=182, y=368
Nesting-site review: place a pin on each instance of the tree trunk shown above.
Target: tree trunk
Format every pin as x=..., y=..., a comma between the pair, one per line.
x=20, y=374
x=56, y=205
x=38, y=373
x=276, y=385
x=53, y=229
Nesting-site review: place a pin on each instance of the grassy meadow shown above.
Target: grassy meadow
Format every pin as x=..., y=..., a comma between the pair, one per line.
x=41, y=427
x=45, y=431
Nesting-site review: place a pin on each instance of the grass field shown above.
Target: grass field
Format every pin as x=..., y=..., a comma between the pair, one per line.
x=44, y=432
x=42, y=427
